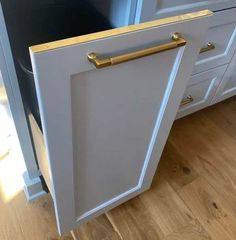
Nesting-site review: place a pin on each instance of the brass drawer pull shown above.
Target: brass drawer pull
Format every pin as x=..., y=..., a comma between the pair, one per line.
x=210, y=46
x=187, y=100
x=177, y=41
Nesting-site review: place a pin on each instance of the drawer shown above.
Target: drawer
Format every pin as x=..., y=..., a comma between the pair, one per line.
x=154, y=9
x=220, y=42
x=200, y=91
x=107, y=102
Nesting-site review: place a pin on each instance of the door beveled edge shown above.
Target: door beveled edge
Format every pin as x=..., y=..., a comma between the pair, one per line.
x=117, y=31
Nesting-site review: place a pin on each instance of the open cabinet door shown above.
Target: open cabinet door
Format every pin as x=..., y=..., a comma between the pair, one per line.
x=107, y=102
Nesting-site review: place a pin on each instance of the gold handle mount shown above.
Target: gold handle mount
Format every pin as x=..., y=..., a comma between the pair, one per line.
x=187, y=100
x=177, y=41
x=209, y=46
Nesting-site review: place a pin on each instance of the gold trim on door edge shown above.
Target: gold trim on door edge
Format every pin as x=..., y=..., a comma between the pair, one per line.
x=117, y=31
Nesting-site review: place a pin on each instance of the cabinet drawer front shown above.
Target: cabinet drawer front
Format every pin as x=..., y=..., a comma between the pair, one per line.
x=222, y=38
x=155, y=9
x=200, y=91
x=107, y=102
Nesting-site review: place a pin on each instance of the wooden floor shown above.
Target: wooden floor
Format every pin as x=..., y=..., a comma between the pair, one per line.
x=193, y=195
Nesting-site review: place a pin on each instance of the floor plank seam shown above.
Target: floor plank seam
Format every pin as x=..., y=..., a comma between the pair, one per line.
x=114, y=226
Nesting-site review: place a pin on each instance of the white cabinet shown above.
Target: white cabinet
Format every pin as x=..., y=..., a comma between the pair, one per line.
x=227, y=87
x=200, y=90
x=108, y=99
x=105, y=129
x=217, y=48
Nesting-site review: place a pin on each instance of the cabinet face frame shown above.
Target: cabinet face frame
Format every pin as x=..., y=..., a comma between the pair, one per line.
x=54, y=64
x=10, y=80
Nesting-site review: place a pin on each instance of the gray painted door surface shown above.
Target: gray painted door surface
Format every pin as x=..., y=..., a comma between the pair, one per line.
x=105, y=129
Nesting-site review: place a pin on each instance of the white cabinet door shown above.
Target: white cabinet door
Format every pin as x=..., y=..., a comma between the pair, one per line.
x=105, y=129
x=227, y=87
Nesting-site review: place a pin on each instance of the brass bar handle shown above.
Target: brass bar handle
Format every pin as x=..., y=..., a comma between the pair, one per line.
x=177, y=41
x=187, y=100
x=210, y=46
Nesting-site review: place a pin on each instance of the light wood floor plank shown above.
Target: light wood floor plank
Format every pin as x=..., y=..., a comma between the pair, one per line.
x=175, y=168
x=22, y=221
x=37, y=218
x=212, y=156
x=190, y=232
x=223, y=115
x=211, y=210
x=134, y=222
x=170, y=212
x=98, y=228
x=9, y=225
